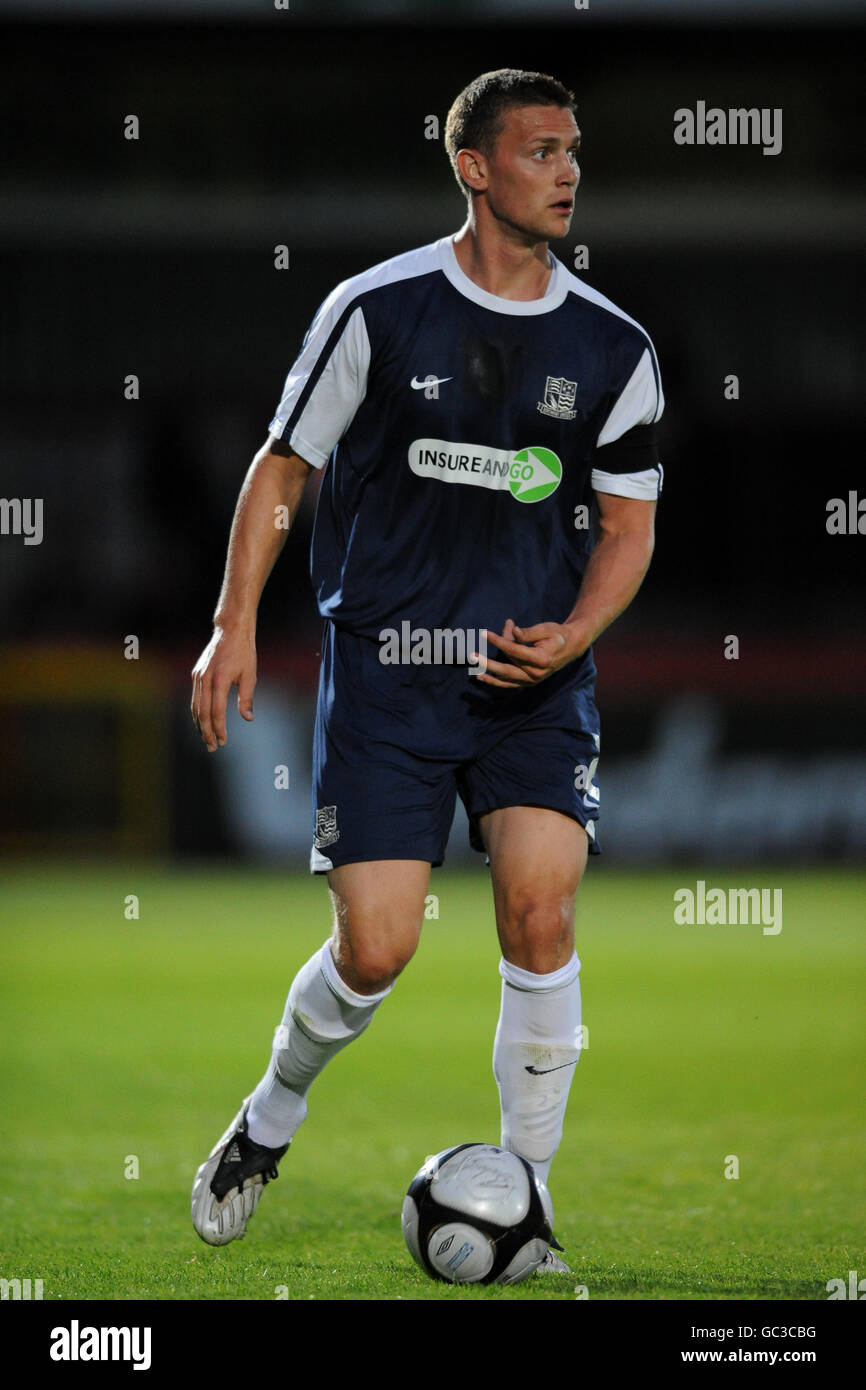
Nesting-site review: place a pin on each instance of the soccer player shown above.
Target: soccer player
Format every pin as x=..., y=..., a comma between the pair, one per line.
x=468, y=402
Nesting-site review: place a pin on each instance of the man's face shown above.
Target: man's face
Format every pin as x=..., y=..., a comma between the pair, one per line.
x=532, y=175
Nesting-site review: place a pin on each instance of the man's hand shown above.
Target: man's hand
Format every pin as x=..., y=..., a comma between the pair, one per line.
x=534, y=653
x=613, y=576
x=228, y=659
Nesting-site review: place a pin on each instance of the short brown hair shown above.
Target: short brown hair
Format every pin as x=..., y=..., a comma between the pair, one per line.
x=475, y=119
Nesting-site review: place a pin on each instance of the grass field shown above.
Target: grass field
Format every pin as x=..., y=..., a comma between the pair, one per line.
x=139, y=1038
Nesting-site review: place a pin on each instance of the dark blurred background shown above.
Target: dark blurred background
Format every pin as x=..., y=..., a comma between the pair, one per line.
x=307, y=128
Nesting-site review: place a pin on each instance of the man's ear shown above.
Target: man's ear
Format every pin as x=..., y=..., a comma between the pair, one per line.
x=472, y=168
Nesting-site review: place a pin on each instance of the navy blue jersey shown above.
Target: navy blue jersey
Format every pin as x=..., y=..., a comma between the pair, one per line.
x=463, y=436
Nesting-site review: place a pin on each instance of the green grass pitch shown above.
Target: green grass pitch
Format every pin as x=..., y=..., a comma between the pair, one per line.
x=138, y=1038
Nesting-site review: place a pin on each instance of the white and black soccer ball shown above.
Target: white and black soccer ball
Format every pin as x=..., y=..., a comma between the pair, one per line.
x=477, y=1214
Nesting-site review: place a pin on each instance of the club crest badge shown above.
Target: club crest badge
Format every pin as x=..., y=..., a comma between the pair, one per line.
x=326, y=826
x=559, y=397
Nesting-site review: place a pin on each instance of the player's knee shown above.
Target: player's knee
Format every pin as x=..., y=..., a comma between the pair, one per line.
x=369, y=966
x=536, y=929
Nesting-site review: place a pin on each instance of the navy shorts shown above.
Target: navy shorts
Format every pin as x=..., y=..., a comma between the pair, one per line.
x=395, y=745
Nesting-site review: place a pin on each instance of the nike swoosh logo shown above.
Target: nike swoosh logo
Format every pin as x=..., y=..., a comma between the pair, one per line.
x=430, y=381
x=536, y=1071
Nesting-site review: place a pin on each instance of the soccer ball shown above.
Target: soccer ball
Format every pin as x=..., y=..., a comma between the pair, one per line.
x=476, y=1214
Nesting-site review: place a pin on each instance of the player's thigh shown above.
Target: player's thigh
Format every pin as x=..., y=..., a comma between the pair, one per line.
x=537, y=859
x=378, y=914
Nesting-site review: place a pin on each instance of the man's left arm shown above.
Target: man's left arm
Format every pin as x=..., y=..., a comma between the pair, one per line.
x=613, y=576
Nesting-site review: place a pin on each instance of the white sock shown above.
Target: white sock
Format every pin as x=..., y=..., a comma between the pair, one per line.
x=535, y=1052
x=322, y=1016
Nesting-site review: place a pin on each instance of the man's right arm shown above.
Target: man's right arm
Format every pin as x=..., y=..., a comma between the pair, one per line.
x=268, y=502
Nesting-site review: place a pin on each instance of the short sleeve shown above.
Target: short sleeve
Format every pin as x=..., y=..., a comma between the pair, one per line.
x=327, y=383
x=625, y=460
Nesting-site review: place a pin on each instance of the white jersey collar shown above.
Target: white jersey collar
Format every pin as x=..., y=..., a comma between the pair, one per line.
x=557, y=288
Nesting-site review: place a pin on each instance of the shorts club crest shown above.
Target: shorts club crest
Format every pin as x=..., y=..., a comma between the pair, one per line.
x=326, y=827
